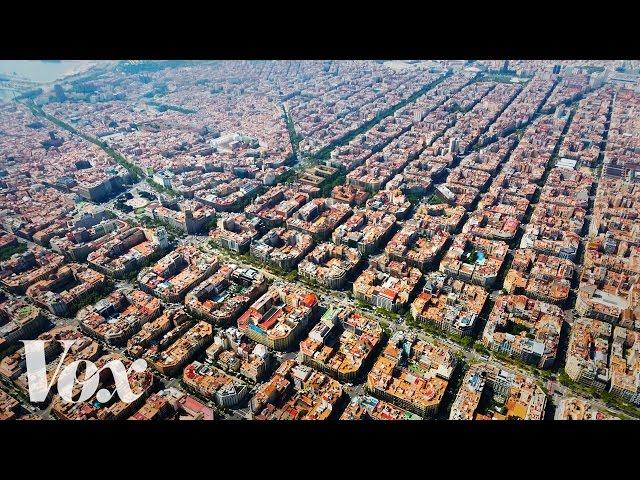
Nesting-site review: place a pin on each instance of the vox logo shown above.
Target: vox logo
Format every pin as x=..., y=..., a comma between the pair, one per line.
x=39, y=385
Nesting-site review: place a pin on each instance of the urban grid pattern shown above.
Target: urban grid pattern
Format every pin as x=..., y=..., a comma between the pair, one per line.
x=310, y=240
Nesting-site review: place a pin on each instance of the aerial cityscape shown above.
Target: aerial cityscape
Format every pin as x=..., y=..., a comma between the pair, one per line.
x=322, y=240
